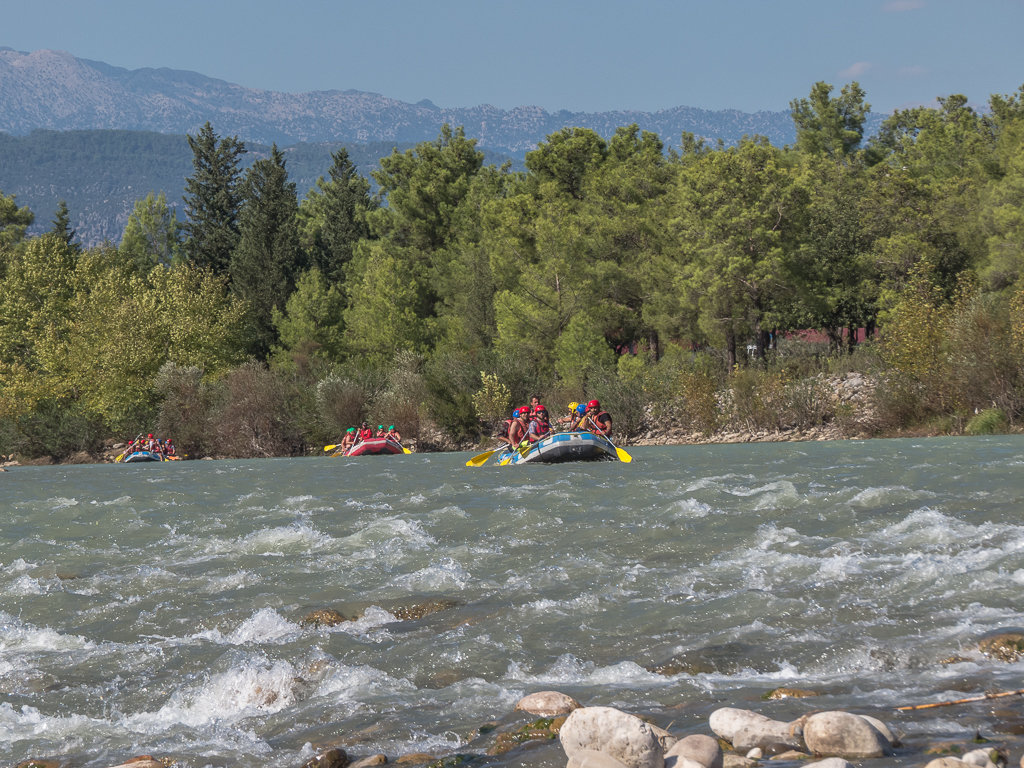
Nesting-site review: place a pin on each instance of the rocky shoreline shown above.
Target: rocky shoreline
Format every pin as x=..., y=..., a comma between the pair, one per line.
x=551, y=729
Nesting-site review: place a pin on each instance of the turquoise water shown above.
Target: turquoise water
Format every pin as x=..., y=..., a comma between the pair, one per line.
x=158, y=608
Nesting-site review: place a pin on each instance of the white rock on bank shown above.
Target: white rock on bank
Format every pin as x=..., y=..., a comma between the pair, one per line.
x=946, y=762
x=843, y=734
x=725, y=722
x=984, y=758
x=547, y=704
x=589, y=758
x=622, y=736
x=883, y=729
x=698, y=748
x=770, y=736
x=830, y=762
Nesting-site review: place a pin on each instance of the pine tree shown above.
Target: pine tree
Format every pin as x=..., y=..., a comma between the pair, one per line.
x=62, y=226
x=267, y=260
x=212, y=200
x=333, y=217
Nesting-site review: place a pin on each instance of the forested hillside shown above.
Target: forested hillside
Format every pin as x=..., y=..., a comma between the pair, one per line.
x=666, y=282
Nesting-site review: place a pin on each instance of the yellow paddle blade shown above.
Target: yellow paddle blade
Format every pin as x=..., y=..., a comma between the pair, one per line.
x=623, y=456
x=330, y=447
x=481, y=459
x=406, y=450
x=119, y=458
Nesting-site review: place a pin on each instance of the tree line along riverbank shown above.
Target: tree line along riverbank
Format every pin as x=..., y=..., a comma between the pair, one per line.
x=674, y=282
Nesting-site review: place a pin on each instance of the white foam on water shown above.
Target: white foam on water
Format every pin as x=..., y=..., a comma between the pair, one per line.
x=256, y=688
x=26, y=723
x=118, y=502
x=19, y=566
x=569, y=670
x=388, y=536
x=354, y=685
x=885, y=496
x=368, y=625
x=60, y=502
x=688, y=508
x=214, y=585
x=299, y=537
x=25, y=585
x=446, y=574
x=264, y=626
x=580, y=603
x=19, y=637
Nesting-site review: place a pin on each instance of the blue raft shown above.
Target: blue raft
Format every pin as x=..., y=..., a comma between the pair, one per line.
x=563, y=446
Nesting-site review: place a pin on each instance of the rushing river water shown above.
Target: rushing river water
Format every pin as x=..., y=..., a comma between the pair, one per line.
x=158, y=608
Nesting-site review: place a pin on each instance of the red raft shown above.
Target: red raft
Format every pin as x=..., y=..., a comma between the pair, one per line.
x=375, y=446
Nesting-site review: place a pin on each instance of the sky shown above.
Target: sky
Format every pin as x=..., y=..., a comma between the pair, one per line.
x=579, y=55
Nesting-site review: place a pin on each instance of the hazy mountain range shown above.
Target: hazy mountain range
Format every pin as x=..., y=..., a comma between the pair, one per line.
x=57, y=91
x=85, y=132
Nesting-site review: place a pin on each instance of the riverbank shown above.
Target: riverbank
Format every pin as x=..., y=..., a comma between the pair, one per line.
x=851, y=414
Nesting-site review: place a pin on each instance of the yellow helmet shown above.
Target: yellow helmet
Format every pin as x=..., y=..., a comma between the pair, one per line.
x=572, y=406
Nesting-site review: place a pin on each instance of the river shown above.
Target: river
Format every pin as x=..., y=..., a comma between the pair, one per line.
x=158, y=609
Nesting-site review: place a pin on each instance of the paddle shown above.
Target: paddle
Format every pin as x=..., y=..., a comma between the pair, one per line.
x=521, y=450
x=118, y=459
x=480, y=459
x=330, y=447
x=624, y=457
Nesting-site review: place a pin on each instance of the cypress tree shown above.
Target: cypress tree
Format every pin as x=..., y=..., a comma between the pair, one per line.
x=334, y=216
x=212, y=200
x=267, y=260
x=62, y=226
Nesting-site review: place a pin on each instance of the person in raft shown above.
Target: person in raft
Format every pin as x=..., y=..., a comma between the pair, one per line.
x=348, y=440
x=365, y=432
x=539, y=425
x=393, y=434
x=565, y=422
x=520, y=426
x=597, y=421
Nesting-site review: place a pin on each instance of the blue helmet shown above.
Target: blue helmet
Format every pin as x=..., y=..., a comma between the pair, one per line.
x=581, y=409
x=515, y=414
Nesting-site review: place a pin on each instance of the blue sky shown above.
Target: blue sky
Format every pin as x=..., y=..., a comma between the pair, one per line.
x=581, y=55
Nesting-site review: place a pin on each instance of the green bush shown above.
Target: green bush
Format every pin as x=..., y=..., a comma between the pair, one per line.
x=988, y=422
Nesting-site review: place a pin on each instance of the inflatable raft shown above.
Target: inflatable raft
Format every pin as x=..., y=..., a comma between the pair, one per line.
x=136, y=457
x=564, y=446
x=375, y=446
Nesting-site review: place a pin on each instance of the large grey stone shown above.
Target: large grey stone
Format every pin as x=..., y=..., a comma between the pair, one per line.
x=830, y=762
x=547, y=704
x=622, y=736
x=701, y=749
x=589, y=758
x=843, y=734
x=726, y=721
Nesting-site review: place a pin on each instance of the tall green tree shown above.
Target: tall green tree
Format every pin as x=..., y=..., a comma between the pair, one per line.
x=62, y=225
x=332, y=217
x=13, y=220
x=267, y=259
x=735, y=213
x=212, y=200
x=830, y=125
x=152, y=234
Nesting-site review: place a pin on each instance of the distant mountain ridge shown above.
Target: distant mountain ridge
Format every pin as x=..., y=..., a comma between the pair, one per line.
x=54, y=90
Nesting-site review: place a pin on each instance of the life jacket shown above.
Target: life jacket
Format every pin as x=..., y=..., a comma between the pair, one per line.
x=542, y=428
x=365, y=434
x=520, y=432
x=597, y=421
x=503, y=431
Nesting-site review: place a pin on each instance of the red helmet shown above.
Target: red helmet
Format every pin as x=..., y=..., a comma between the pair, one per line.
x=149, y=435
x=540, y=408
x=168, y=439
x=594, y=404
